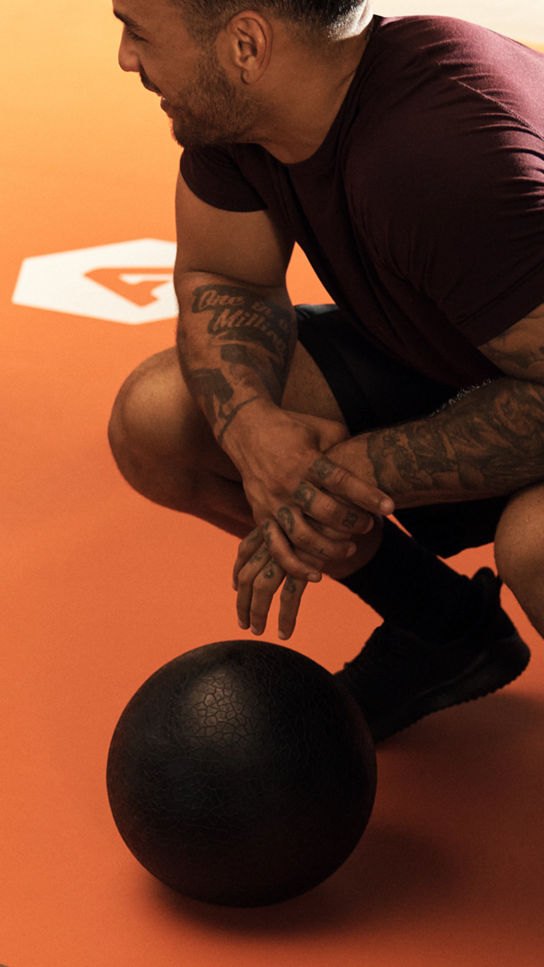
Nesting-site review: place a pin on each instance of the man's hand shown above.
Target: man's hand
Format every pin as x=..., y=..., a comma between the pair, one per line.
x=295, y=491
x=257, y=577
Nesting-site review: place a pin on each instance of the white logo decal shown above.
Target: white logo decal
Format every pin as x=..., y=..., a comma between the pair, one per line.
x=129, y=282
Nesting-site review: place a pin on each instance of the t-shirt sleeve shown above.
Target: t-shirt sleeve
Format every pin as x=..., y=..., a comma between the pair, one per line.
x=462, y=221
x=213, y=175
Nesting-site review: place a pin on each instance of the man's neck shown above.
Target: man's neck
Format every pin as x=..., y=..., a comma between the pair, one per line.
x=308, y=100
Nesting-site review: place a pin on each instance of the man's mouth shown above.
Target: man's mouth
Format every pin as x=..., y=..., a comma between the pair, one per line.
x=149, y=86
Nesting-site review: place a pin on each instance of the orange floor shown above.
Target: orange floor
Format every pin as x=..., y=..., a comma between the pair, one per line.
x=100, y=588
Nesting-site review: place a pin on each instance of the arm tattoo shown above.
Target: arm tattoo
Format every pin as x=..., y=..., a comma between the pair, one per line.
x=488, y=442
x=235, y=312
x=240, y=358
x=214, y=391
x=231, y=416
x=254, y=339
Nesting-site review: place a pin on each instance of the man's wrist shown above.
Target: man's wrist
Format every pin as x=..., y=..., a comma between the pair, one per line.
x=232, y=416
x=238, y=423
x=352, y=454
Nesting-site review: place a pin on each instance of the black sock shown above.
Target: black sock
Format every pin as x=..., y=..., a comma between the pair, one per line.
x=411, y=588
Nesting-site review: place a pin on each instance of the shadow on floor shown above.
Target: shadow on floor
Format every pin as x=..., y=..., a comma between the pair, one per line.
x=456, y=793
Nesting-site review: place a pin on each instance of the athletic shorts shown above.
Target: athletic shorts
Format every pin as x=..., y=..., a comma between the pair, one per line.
x=374, y=391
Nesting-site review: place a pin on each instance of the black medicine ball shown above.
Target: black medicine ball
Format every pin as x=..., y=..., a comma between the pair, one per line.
x=240, y=773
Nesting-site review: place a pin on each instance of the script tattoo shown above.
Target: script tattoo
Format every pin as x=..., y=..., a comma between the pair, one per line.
x=255, y=339
x=238, y=315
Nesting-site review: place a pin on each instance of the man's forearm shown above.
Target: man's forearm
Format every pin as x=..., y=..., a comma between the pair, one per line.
x=488, y=442
x=234, y=345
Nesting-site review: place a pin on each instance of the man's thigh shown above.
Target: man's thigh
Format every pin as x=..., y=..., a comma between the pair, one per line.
x=307, y=390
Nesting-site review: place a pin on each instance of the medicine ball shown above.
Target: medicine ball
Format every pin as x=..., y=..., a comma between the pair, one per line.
x=241, y=773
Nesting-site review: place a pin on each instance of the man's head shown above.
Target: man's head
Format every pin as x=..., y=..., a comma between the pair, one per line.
x=310, y=18
x=210, y=59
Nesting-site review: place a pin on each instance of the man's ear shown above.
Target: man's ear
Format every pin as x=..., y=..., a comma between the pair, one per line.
x=245, y=45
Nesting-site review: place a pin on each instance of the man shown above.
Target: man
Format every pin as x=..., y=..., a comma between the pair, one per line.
x=406, y=156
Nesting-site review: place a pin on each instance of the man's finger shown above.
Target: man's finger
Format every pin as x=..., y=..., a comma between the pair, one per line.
x=331, y=512
x=246, y=549
x=290, y=599
x=282, y=551
x=265, y=586
x=337, y=480
x=245, y=579
x=304, y=536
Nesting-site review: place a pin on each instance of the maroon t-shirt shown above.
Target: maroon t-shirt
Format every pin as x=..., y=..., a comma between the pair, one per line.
x=422, y=212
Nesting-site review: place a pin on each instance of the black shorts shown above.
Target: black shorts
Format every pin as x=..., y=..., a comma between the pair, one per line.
x=374, y=391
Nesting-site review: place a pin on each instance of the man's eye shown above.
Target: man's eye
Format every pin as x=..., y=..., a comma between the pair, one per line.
x=130, y=33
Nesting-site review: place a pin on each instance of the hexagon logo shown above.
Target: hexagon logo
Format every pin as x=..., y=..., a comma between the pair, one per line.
x=128, y=282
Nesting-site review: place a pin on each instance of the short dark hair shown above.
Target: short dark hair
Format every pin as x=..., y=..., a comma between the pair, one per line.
x=205, y=18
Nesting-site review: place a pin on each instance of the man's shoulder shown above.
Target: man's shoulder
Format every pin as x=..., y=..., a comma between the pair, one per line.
x=431, y=35
x=438, y=102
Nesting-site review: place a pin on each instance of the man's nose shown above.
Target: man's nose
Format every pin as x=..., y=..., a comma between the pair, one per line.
x=128, y=58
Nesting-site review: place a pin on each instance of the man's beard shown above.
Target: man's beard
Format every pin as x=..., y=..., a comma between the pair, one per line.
x=211, y=110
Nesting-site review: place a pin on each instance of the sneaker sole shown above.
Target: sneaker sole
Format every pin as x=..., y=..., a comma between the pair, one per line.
x=487, y=674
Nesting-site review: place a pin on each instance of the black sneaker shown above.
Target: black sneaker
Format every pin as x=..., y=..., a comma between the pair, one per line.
x=398, y=678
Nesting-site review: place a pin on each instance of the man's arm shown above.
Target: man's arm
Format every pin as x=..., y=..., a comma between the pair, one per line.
x=236, y=334
x=487, y=442
x=236, y=330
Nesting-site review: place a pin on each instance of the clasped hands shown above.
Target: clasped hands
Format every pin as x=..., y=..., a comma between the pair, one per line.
x=303, y=530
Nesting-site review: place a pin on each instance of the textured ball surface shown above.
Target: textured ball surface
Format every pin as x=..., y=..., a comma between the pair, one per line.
x=240, y=773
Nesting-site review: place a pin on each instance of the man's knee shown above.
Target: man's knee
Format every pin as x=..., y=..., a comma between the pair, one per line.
x=151, y=426
x=519, y=545
x=519, y=551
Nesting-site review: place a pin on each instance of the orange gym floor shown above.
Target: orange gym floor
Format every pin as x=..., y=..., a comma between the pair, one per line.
x=101, y=587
